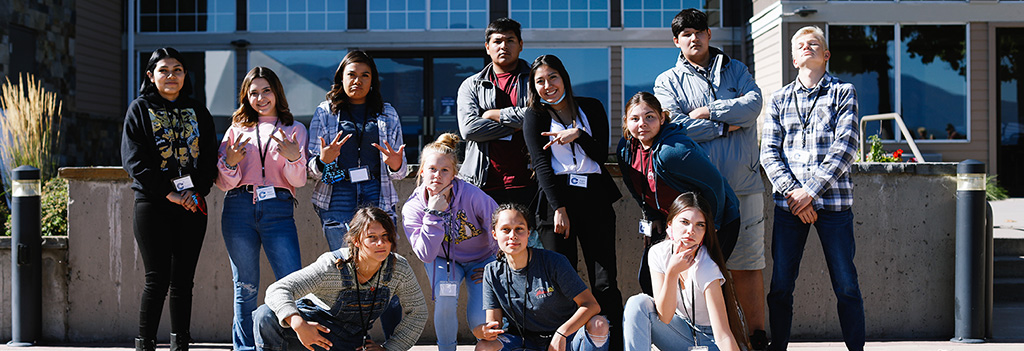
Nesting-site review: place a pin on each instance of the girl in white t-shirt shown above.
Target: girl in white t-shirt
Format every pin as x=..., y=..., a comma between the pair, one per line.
x=693, y=295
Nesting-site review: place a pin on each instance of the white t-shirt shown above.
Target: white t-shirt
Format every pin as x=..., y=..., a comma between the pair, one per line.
x=703, y=272
x=562, y=160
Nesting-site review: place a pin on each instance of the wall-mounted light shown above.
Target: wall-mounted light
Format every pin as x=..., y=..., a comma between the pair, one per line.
x=803, y=11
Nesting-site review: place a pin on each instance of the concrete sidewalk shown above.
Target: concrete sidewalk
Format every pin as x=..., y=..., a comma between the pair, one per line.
x=824, y=346
x=1008, y=218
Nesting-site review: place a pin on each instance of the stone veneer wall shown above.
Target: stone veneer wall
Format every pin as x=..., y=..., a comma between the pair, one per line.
x=904, y=225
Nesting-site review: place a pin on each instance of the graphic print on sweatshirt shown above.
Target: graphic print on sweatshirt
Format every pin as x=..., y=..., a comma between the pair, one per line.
x=169, y=128
x=466, y=229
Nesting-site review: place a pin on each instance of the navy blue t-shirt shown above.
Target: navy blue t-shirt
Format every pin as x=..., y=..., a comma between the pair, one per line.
x=550, y=283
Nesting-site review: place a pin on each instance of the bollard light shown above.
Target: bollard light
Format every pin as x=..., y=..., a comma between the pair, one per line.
x=26, y=257
x=969, y=309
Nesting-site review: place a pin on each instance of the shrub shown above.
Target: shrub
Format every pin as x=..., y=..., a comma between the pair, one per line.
x=53, y=217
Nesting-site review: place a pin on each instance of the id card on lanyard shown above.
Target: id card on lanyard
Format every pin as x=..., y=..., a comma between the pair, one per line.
x=264, y=192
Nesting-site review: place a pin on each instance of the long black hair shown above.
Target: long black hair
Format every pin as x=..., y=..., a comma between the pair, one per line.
x=337, y=96
x=159, y=54
x=534, y=100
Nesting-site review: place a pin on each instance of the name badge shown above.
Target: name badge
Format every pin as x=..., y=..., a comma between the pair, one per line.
x=359, y=174
x=448, y=288
x=265, y=193
x=698, y=348
x=646, y=228
x=182, y=183
x=578, y=180
x=801, y=156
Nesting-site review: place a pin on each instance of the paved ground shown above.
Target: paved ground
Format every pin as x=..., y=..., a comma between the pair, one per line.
x=1008, y=218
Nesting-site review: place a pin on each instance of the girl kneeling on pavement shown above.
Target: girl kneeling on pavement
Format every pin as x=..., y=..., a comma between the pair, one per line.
x=693, y=295
x=446, y=221
x=350, y=288
x=547, y=305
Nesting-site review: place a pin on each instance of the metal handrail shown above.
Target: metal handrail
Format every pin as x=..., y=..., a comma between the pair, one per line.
x=903, y=129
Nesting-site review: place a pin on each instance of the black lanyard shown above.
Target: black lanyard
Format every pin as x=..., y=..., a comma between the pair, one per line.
x=447, y=238
x=692, y=316
x=365, y=321
x=572, y=144
x=263, y=150
x=359, y=133
x=644, y=172
x=521, y=325
x=796, y=101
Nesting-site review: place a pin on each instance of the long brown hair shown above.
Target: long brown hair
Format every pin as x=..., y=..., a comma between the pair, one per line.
x=648, y=99
x=245, y=115
x=337, y=96
x=691, y=200
x=357, y=226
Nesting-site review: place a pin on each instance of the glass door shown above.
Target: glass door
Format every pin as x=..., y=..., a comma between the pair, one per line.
x=1010, y=90
x=424, y=88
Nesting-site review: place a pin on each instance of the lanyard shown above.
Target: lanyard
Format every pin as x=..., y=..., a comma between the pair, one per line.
x=647, y=171
x=264, y=149
x=711, y=88
x=365, y=321
x=518, y=323
x=359, y=134
x=451, y=224
x=691, y=315
x=796, y=101
x=572, y=144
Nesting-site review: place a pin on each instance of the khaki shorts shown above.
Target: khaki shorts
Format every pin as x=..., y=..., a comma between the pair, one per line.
x=749, y=252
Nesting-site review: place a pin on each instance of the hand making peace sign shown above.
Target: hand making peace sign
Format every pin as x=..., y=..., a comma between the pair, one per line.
x=235, y=152
x=392, y=157
x=329, y=152
x=287, y=146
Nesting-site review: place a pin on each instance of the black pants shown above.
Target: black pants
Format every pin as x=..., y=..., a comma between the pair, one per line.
x=170, y=239
x=592, y=223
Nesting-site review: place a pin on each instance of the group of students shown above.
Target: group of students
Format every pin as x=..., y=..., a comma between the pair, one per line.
x=534, y=169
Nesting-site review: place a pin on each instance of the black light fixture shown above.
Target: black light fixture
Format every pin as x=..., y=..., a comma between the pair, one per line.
x=240, y=43
x=803, y=11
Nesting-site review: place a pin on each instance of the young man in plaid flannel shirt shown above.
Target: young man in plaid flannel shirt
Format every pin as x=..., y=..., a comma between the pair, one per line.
x=809, y=142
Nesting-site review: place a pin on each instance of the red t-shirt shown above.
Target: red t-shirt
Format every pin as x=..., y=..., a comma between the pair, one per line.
x=641, y=172
x=509, y=158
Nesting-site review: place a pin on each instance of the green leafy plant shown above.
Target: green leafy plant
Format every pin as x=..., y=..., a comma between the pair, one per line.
x=879, y=155
x=993, y=191
x=53, y=207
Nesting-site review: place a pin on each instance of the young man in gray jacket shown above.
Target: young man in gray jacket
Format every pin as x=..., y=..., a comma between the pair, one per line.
x=491, y=106
x=716, y=99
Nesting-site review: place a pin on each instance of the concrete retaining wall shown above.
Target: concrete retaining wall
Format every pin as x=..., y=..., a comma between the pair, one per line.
x=904, y=223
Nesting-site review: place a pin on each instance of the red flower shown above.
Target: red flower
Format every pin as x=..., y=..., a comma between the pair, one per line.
x=897, y=154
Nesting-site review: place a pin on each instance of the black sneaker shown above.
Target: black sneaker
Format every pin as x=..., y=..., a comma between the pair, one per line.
x=759, y=340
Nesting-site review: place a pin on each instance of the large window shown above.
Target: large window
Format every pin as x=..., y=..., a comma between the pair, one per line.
x=186, y=15
x=588, y=69
x=458, y=14
x=297, y=15
x=659, y=14
x=306, y=75
x=539, y=14
x=919, y=71
x=641, y=66
x=397, y=14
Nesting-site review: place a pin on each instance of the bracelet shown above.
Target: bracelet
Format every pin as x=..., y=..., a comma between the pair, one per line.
x=225, y=160
x=563, y=335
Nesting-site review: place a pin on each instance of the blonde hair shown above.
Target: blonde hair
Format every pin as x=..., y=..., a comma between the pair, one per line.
x=812, y=30
x=445, y=145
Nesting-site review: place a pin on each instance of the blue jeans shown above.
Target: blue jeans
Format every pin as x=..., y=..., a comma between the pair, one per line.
x=246, y=227
x=346, y=198
x=641, y=328
x=578, y=341
x=446, y=323
x=835, y=229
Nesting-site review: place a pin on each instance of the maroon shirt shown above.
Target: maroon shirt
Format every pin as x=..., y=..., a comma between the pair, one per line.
x=509, y=158
x=641, y=172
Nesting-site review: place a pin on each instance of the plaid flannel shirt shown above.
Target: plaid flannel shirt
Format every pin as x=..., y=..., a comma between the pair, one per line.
x=325, y=124
x=810, y=140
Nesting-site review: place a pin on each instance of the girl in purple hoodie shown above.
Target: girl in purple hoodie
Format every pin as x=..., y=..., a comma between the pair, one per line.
x=446, y=220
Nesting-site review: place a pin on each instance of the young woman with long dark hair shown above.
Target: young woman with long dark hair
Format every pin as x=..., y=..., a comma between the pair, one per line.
x=169, y=149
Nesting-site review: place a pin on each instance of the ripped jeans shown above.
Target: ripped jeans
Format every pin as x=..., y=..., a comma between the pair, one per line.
x=246, y=227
